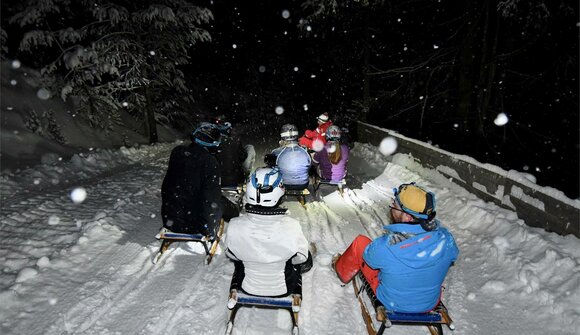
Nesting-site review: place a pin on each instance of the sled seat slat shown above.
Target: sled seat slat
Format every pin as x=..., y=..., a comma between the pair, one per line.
x=246, y=299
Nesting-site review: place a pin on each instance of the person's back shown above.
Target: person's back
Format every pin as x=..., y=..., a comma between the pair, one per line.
x=294, y=163
x=231, y=156
x=190, y=189
x=332, y=160
x=265, y=244
x=327, y=170
x=292, y=160
x=412, y=270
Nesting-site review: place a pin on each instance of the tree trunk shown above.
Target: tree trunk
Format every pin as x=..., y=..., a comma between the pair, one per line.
x=465, y=68
x=366, y=68
x=150, y=124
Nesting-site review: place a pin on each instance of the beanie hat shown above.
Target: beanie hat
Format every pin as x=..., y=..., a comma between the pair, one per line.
x=323, y=117
x=415, y=201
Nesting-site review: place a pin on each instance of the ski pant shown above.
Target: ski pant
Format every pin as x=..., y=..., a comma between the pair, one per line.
x=293, y=276
x=351, y=262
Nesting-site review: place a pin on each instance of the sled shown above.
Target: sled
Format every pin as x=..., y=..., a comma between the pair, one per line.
x=209, y=245
x=234, y=193
x=299, y=194
x=340, y=186
x=378, y=319
x=290, y=302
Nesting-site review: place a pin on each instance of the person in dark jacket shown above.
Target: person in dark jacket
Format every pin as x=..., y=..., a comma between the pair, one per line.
x=235, y=158
x=191, y=192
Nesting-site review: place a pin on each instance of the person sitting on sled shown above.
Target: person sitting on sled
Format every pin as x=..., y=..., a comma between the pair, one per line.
x=191, y=193
x=406, y=266
x=292, y=159
x=331, y=161
x=267, y=246
x=315, y=139
x=235, y=159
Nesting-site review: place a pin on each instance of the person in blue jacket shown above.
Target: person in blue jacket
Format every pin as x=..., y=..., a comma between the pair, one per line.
x=406, y=266
x=292, y=159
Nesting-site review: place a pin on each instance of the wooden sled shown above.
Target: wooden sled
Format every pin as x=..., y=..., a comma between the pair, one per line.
x=377, y=319
x=210, y=245
x=291, y=303
x=299, y=194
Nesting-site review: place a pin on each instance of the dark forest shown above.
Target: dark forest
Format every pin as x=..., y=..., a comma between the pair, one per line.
x=440, y=71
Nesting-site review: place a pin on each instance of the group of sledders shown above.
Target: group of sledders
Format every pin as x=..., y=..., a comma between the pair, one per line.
x=405, y=267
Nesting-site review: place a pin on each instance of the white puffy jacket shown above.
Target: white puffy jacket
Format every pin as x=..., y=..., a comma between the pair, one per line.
x=264, y=243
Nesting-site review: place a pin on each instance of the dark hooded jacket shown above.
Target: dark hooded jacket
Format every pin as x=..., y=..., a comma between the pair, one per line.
x=231, y=155
x=191, y=191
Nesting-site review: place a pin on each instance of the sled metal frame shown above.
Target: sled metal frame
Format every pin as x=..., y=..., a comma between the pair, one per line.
x=433, y=320
x=167, y=237
x=238, y=190
x=290, y=302
x=299, y=194
x=340, y=186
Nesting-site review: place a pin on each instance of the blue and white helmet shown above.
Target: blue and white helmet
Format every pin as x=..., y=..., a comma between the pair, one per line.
x=265, y=187
x=207, y=134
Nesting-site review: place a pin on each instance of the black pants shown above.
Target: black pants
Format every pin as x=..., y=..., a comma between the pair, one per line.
x=293, y=274
x=230, y=210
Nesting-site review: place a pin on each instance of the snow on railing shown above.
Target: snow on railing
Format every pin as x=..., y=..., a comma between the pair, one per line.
x=538, y=206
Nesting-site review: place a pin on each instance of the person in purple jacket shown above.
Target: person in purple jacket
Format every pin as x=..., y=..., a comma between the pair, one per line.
x=331, y=161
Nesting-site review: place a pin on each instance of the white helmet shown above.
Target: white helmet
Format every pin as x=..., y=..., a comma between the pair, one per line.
x=265, y=187
x=289, y=132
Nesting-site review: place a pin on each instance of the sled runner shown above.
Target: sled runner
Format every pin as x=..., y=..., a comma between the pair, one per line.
x=291, y=303
x=300, y=194
x=340, y=186
x=210, y=245
x=377, y=319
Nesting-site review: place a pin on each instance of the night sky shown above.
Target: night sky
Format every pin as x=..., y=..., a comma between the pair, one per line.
x=439, y=71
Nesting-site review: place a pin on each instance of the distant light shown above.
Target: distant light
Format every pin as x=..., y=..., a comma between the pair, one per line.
x=285, y=14
x=43, y=94
x=262, y=69
x=78, y=195
x=16, y=64
x=13, y=82
x=388, y=146
x=234, y=46
x=501, y=119
x=279, y=110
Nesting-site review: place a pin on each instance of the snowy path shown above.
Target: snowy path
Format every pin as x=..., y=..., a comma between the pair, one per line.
x=86, y=268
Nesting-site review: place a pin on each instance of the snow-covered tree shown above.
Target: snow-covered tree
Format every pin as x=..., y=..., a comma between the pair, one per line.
x=116, y=54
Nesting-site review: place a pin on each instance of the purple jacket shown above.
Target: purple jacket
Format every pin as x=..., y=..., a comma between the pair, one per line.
x=327, y=170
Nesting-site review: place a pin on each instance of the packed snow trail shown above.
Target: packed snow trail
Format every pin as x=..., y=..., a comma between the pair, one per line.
x=86, y=268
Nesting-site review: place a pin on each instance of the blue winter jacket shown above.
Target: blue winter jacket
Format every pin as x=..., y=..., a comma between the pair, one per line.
x=294, y=163
x=412, y=270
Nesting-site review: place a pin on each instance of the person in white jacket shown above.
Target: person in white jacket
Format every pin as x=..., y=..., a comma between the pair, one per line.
x=267, y=246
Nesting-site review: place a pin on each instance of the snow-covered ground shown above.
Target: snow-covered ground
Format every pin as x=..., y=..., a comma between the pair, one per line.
x=86, y=267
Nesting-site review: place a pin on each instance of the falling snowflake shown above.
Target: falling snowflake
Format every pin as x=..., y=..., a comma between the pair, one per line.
x=16, y=64
x=285, y=14
x=279, y=110
x=501, y=119
x=78, y=195
x=388, y=146
x=43, y=94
